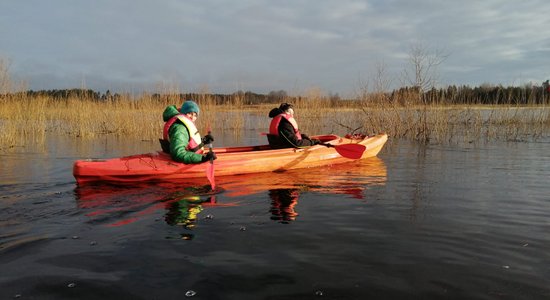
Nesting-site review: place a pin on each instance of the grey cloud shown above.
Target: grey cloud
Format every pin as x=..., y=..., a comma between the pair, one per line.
x=268, y=45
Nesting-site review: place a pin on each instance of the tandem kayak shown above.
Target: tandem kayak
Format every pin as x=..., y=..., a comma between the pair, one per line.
x=159, y=166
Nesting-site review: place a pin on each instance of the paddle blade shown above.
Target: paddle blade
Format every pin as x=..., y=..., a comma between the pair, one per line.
x=351, y=151
x=210, y=174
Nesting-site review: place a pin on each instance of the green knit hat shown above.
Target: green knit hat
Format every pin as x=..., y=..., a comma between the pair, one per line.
x=189, y=106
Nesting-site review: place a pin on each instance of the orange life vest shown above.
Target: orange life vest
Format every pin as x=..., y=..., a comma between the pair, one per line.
x=274, y=126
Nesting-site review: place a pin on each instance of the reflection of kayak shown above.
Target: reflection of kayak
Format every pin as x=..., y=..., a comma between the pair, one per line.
x=231, y=161
x=336, y=179
x=347, y=178
x=117, y=205
x=121, y=205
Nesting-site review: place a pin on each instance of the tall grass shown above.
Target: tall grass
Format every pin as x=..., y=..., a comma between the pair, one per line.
x=24, y=119
x=22, y=123
x=431, y=123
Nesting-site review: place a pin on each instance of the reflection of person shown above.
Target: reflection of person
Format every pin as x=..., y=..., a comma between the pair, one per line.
x=184, y=212
x=283, y=202
x=181, y=138
x=283, y=130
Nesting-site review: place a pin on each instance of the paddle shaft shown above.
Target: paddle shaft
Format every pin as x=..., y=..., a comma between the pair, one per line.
x=210, y=167
x=210, y=148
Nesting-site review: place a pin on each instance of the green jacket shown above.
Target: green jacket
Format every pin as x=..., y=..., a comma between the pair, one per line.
x=179, y=139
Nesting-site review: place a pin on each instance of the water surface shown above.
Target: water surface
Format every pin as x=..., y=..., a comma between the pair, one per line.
x=418, y=222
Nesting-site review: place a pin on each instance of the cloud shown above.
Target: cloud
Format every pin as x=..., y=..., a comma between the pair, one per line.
x=268, y=45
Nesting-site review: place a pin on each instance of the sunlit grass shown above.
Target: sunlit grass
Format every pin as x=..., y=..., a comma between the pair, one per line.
x=24, y=120
x=454, y=123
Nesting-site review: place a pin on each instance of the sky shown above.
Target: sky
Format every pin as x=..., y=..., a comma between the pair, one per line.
x=333, y=46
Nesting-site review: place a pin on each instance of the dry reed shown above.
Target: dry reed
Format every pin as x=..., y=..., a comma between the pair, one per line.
x=24, y=119
x=451, y=123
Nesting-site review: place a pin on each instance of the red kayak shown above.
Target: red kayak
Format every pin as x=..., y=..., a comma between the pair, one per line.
x=231, y=161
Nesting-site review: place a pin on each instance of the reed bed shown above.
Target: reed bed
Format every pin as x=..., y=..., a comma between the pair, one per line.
x=22, y=123
x=453, y=123
x=27, y=120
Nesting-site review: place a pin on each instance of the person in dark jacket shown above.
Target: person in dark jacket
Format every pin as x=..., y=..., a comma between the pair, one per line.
x=283, y=130
x=181, y=137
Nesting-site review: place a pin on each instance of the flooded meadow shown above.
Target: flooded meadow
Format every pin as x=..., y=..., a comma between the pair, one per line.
x=462, y=220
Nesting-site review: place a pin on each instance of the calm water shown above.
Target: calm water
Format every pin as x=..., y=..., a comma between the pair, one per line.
x=451, y=222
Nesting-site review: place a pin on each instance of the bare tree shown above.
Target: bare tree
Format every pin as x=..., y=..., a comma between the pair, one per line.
x=7, y=83
x=376, y=86
x=382, y=82
x=5, y=80
x=421, y=70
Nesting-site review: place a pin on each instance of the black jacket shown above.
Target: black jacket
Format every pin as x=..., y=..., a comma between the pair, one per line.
x=287, y=138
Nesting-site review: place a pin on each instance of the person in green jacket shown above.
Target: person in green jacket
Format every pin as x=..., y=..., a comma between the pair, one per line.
x=181, y=137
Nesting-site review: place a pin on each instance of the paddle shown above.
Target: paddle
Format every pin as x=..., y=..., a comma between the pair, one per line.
x=351, y=151
x=210, y=167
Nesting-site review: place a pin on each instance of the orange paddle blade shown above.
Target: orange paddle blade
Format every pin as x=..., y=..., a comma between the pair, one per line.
x=210, y=174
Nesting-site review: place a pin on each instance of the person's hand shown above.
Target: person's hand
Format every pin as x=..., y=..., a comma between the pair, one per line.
x=207, y=139
x=209, y=156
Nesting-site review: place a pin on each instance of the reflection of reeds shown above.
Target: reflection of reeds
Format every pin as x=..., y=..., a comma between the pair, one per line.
x=24, y=119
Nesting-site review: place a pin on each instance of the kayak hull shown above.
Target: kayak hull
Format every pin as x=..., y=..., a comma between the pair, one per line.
x=230, y=161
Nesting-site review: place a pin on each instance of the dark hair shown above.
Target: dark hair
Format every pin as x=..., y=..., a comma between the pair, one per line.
x=274, y=112
x=285, y=106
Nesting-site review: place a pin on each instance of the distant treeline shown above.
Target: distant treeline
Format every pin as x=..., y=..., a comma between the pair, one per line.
x=247, y=97
x=485, y=94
